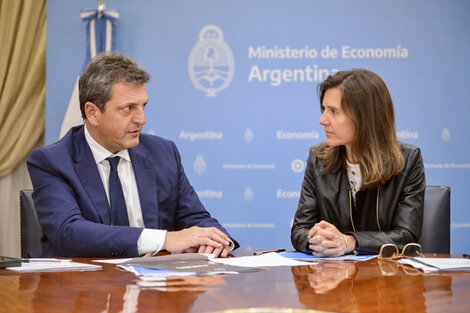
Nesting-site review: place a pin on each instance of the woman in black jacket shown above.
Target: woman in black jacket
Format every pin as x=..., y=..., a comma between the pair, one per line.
x=362, y=188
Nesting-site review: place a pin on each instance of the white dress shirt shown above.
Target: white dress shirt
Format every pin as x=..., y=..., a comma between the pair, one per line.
x=150, y=240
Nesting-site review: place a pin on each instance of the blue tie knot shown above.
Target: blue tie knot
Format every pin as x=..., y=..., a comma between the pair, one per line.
x=113, y=163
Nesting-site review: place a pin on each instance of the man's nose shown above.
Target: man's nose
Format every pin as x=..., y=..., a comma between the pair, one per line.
x=139, y=116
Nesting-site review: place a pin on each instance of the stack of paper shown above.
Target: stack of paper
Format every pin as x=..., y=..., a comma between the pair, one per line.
x=202, y=264
x=152, y=272
x=53, y=265
x=310, y=257
x=187, y=264
x=263, y=260
x=430, y=265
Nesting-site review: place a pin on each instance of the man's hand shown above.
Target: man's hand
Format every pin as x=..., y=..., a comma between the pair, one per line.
x=195, y=237
x=217, y=252
x=326, y=240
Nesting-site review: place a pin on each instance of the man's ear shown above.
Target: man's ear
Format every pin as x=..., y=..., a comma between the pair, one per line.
x=91, y=111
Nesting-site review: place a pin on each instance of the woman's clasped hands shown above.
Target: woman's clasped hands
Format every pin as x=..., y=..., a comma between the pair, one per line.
x=327, y=241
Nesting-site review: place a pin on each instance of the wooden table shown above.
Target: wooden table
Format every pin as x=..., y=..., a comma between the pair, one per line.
x=372, y=286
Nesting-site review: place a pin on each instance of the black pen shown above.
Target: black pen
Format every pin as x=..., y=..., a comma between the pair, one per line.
x=466, y=256
x=268, y=251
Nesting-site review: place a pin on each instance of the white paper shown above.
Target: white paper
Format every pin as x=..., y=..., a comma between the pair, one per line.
x=418, y=265
x=54, y=266
x=151, y=283
x=264, y=260
x=153, y=278
x=438, y=264
x=310, y=257
x=48, y=260
x=112, y=261
x=152, y=272
x=155, y=258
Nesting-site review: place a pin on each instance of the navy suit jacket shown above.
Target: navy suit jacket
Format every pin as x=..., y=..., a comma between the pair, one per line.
x=73, y=208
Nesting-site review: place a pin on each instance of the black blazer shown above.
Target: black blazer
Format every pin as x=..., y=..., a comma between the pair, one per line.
x=398, y=218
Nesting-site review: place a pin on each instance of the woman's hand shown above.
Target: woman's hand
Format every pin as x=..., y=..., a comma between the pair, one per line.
x=326, y=240
x=326, y=276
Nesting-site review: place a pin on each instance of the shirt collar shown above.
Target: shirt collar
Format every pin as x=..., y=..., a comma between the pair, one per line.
x=99, y=152
x=352, y=165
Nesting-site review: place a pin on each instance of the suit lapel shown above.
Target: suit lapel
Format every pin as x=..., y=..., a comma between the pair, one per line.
x=87, y=172
x=146, y=178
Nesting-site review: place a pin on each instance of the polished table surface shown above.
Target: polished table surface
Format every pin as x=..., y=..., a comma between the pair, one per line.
x=371, y=286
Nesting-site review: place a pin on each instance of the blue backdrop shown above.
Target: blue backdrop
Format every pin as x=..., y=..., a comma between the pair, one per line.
x=234, y=85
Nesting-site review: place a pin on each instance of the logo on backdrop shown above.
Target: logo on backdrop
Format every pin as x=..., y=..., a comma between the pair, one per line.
x=285, y=194
x=407, y=134
x=211, y=63
x=205, y=135
x=283, y=135
x=249, y=194
x=297, y=165
x=151, y=132
x=445, y=135
x=199, y=165
x=209, y=193
x=249, y=135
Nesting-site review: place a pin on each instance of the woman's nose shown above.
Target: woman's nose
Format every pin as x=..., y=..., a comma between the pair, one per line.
x=323, y=120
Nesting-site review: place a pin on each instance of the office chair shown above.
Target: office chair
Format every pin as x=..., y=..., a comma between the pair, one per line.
x=435, y=235
x=30, y=229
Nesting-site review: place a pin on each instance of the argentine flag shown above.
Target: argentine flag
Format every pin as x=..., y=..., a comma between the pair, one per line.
x=100, y=32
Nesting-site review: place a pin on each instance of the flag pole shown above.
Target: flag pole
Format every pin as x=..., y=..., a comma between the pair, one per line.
x=101, y=7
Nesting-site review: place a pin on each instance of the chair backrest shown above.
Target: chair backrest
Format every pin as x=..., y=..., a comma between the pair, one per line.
x=30, y=229
x=435, y=235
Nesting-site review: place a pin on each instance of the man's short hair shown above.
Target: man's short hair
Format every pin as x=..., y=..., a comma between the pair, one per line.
x=103, y=71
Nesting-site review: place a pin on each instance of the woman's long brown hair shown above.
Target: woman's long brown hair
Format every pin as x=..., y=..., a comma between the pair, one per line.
x=366, y=100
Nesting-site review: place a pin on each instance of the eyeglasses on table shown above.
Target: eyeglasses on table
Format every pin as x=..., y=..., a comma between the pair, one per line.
x=391, y=251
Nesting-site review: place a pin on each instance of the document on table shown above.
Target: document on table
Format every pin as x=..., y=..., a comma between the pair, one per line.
x=112, y=261
x=310, y=257
x=193, y=263
x=154, y=259
x=430, y=265
x=152, y=272
x=263, y=260
x=201, y=267
x=53, y=265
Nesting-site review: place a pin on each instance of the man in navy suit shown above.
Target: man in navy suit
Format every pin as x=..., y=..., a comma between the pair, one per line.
x=143, y=203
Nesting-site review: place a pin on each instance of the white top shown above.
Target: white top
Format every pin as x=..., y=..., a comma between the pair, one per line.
x=150, y=240
x=355, y=178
